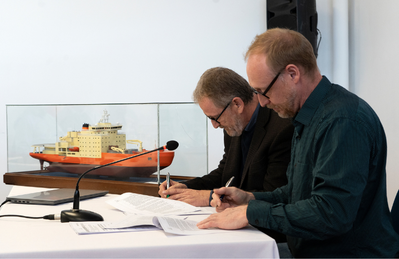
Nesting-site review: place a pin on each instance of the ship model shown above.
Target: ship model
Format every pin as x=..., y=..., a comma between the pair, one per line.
x=96, y=145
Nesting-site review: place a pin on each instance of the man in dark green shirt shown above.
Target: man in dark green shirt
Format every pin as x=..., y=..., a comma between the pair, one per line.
x=335, y=203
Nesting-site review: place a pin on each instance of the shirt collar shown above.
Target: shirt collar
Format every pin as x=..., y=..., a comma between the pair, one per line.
x=252, y=122
x=305, y=114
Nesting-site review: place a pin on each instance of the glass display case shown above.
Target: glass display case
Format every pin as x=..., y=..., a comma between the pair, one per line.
x=64, y=141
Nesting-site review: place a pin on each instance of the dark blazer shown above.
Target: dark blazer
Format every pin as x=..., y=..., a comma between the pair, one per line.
x=266, y=163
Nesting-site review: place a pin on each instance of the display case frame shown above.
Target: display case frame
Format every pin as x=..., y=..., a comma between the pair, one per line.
x=156, y=123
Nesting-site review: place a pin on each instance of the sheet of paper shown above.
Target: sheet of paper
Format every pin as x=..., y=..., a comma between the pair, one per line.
x=83, y=228
x=133, y=221
x=145, y=212
x=184, y=227
x=171, y=225
x=149, y=205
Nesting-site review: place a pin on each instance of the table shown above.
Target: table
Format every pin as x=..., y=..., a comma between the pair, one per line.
x=52, y=239
x=44, y=178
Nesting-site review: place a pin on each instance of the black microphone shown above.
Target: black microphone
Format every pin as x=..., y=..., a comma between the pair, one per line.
x=76, y=214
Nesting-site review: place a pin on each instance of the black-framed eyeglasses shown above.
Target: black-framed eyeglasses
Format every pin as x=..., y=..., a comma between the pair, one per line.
x=220, y=114
x=270, y=86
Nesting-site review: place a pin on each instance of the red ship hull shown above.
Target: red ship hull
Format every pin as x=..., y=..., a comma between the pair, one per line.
x=142, y=166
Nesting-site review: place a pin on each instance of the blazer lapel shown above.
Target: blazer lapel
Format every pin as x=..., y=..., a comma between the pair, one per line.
x=234, y=160
x=257, y=139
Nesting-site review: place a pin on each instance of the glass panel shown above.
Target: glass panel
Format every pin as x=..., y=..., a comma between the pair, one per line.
x=26, y=126
x=144, y=126
x=186, y=124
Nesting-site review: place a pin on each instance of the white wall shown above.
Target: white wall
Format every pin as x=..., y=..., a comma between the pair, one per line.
x=374, y=52
x=119, y=51
x=367, y=65
x=106, y=51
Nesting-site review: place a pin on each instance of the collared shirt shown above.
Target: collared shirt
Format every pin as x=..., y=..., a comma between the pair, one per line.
x=246, y=137
x=335, y=203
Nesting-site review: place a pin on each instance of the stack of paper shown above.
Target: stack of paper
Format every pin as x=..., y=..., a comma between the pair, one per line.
x=148, y=213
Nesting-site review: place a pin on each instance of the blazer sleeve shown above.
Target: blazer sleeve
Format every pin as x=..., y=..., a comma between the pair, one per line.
x=214, y=178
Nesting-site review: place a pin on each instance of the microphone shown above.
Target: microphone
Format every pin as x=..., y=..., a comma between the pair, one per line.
x=76, y=214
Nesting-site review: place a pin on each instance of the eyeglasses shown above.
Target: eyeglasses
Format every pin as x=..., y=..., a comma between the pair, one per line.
x=213, y=119
x=270, y=86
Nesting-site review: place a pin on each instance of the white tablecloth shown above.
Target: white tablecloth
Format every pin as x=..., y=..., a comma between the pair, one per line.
x=52, y=239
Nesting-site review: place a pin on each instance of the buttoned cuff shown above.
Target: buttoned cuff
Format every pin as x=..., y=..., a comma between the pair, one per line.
x=257, y=213
x=210, y=197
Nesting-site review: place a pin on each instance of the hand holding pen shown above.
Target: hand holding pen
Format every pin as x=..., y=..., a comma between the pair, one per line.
x=227, y=185
x=234, y=197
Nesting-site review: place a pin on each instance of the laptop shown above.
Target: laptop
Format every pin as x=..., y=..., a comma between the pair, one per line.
x=54, y=197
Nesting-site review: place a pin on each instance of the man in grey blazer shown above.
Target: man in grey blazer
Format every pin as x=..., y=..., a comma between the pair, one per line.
x=257, y=141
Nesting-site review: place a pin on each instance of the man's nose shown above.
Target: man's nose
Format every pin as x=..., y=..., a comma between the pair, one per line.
x=263, y=101
x=215, y=124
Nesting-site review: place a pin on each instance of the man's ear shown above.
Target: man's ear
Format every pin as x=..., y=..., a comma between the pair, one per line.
x=293, y=72
x=238, y=105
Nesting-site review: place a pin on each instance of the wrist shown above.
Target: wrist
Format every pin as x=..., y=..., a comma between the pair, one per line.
x=250, y=196
x=204, y=198
x=210, y=198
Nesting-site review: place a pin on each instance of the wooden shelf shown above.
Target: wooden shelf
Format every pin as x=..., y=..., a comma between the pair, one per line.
x=36, y=179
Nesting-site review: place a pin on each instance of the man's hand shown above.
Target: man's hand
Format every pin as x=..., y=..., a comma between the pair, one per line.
x=173, y=185
x=198, y=198
x=233, y=197
x=230, y=218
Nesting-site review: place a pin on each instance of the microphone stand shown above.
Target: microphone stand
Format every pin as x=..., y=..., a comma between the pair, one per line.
x=76, y=214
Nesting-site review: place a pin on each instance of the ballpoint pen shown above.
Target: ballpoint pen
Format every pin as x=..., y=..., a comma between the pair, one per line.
x=167, y=183
x=227, y=185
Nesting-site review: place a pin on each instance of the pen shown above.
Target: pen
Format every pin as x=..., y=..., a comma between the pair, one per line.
x=227, y=185
x=167, y=183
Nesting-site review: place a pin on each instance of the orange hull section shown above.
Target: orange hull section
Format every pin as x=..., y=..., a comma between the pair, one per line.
x=142, y=166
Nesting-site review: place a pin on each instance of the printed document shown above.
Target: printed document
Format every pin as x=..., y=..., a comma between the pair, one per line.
x=149, y=213
x=149, y=205
x=172, y=225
